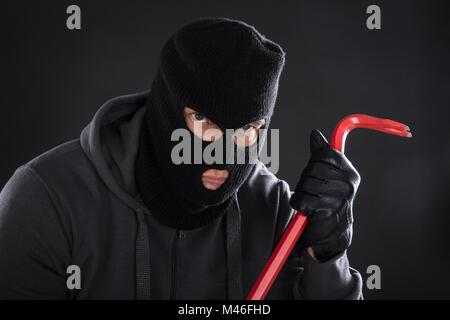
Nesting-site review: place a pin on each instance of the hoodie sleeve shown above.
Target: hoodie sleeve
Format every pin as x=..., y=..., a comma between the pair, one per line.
x=305, y=278
x=34, y=248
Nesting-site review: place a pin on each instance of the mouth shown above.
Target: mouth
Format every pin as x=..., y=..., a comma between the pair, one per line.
x=212, y=179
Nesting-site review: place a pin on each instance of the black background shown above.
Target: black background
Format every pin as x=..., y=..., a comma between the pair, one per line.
x=53, y=80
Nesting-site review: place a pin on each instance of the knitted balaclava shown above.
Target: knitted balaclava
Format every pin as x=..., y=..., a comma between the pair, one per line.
x=227, y=71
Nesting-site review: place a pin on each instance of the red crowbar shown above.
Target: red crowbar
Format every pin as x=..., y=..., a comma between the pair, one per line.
x=298, y=222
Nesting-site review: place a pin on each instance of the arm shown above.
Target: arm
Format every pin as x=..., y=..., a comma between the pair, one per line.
x=34, y=247
x=303, y=277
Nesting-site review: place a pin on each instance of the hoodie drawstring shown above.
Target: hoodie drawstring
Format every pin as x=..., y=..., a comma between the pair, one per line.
x=234, y=251
x=142, y=256
x=233, y=248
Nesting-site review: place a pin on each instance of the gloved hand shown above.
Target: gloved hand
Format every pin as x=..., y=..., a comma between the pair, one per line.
x=325, y=194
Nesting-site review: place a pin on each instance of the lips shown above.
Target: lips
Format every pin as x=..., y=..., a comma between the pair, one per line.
x=214, y=180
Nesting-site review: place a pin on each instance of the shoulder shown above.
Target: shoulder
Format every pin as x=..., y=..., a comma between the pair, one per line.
x=58, y=161
x=64, y=175
x=64, y=166
x=50, y=171
x=63, y=155
x=30, y=208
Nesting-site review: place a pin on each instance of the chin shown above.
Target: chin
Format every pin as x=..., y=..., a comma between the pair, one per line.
x=212, y=187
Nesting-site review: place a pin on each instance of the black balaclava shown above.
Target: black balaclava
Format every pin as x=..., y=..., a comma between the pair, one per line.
x=227, y=71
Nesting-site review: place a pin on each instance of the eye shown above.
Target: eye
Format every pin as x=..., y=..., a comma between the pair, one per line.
x=260, y=124
x=198, y=117
x=250, y=128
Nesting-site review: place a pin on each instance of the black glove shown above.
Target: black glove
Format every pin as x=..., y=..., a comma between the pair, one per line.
x=325, y=194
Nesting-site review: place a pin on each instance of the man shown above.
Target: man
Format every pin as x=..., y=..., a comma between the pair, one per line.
x=137, y=225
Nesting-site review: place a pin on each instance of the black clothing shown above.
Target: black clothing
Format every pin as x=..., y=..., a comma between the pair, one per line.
x=78, y=204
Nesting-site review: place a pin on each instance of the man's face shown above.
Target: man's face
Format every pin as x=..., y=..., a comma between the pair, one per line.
x=207, y=130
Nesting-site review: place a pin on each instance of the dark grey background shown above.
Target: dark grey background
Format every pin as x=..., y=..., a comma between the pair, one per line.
x=53, y=80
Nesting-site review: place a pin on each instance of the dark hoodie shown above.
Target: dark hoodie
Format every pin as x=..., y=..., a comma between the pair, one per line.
x=77, y=204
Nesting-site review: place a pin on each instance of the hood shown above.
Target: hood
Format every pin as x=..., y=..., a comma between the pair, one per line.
x=110, y=141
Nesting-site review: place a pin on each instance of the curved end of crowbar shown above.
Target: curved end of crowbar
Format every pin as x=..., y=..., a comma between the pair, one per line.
x=354, y=121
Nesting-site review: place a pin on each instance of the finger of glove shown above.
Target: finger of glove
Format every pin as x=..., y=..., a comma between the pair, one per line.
x=313, y=232
x=333, y=157
x=326, y=171
x=321, y=227
x=317, y=141
x=322, y=152
x=304, y=201
x=345, y=216
x=332, y=246
x=312, y=193
x=326, y=188
x=323, y=171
